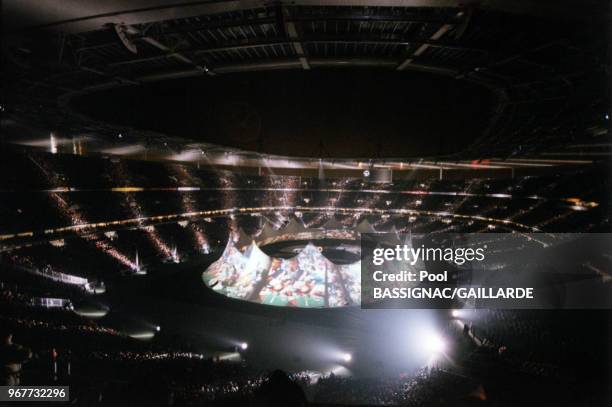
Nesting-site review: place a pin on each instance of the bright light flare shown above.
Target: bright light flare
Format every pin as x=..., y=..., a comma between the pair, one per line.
x=434, y=343
x=347, y=357
x=233, y=356
x=142, y=335
x=244, y=346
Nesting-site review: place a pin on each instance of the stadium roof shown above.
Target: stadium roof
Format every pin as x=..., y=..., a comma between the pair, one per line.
x=545, y=63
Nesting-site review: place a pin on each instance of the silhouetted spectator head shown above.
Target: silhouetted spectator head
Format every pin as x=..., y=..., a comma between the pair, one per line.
x=7, y=337
x=281, y=391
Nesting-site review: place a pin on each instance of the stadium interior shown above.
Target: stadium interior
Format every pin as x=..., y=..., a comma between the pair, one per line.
x=185, y=184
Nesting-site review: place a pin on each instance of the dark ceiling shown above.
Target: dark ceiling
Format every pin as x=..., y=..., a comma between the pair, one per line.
x=319, y=113
x=547, y=72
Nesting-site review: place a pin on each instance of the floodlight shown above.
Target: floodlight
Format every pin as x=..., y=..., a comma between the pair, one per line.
x=434, y=344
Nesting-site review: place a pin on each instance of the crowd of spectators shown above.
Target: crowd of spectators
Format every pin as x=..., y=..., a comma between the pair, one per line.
x=109, y=363
x=534, y=200
x=124, y=372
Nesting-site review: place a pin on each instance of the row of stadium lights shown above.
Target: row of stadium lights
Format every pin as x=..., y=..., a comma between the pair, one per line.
x=433, y=343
